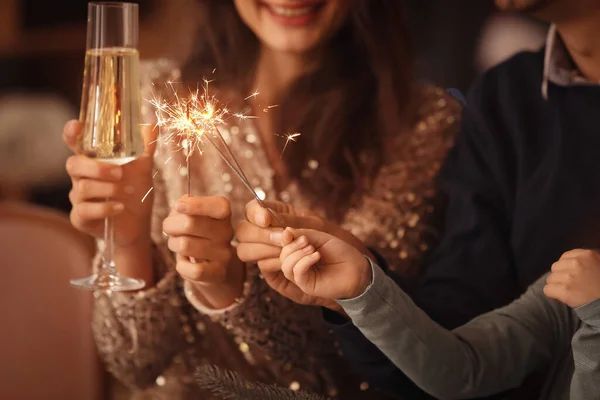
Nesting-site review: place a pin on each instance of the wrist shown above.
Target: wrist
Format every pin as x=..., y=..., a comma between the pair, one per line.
x=135, y=260
x=219, y=295
x=364, y=278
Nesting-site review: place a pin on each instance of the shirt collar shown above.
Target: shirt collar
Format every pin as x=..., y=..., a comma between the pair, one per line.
x=558, y=66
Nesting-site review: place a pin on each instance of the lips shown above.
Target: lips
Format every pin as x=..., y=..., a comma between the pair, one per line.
x=291, y=12
x=296, y=12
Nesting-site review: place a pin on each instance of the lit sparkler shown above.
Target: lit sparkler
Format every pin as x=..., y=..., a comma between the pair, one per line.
x=189, y=121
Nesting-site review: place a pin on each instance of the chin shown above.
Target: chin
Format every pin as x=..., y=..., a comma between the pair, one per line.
x=292, y=46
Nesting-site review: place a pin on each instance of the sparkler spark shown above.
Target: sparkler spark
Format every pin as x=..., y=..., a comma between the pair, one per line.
x=252, y=95
x=266, y=109
x=147, y=193
x=290, y=137
x=188, y=121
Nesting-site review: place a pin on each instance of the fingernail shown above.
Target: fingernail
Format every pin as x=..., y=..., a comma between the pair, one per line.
x=116, y=173
x=129, y=189
x=118, y=207
x=275, y=237
x=69, y=128
x=261, y=220
x=302, y=241
x=315, y=255
x=181, y=207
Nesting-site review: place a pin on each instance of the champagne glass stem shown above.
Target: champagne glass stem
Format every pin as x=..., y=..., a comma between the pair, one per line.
x=108, y=264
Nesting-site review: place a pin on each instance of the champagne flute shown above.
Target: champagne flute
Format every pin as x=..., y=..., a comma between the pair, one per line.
x=110, y=112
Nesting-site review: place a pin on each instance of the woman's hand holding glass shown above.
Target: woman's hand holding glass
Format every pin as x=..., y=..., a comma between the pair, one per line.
x=93, y=182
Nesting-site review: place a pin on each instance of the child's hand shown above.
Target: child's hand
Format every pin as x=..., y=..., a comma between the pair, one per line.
x=575, y=278
x=322, y=265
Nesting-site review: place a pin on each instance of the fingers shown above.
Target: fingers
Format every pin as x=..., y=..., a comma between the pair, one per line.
x=253, y=252
x=200, y=249
x=80, y=167
x=295, y=245
x=213, y=207
x=150, y=138
x=289, y=263
x=269, y=265
x=559, y=284
x=576, y=253
x=85, y=212
x=203, y=227
x=556, y=291
x=558, y=277
x=205, y=271
x=302, y=269
x=258, y=215
x=71, y=132
x=89, y=190
x=287, y=237
x=572, y=263
x=314, y=237
x=250, y=233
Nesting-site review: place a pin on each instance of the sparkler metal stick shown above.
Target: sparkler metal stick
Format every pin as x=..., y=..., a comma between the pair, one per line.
x=239, y=172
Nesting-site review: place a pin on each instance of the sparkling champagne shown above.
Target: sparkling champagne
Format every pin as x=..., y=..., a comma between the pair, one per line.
x=110, y=106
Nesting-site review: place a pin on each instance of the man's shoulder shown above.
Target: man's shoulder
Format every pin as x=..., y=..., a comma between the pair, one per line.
x=531, y=62
x=510, y=82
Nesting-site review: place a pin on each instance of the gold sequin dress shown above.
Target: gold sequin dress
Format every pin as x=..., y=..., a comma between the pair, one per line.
x=154, y=340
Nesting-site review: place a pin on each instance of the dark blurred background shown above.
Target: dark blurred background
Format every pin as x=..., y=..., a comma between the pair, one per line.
x=42, y=47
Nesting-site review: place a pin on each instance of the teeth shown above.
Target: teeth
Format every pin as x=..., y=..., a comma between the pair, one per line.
x=291, y=12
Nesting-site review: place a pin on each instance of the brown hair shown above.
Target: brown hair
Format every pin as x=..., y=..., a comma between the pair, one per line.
x=343, y=109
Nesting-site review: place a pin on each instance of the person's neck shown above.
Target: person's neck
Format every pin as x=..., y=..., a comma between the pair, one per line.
x=582, y=39
x=275, y=72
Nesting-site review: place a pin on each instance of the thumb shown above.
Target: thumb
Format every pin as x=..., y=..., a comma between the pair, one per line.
x=150, y=138
x=71, y=133
x=260, y=216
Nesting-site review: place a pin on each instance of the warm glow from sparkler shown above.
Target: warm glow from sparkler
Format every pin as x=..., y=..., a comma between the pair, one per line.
x=186, y=120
